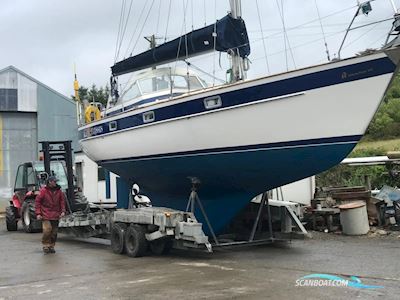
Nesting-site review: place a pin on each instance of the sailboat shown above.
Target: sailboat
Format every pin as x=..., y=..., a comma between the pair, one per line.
x=235, y=141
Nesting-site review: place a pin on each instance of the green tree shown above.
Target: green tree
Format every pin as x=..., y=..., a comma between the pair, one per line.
x=94, y=94
x=386, y=122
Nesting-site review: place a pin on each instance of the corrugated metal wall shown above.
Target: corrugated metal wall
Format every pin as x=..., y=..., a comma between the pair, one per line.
x=18, y=144
x=56, y=117
x=29, y=112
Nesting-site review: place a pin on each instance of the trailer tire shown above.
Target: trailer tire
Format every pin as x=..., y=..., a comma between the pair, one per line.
x=161, y=246
x=135, y=241
x=117, y=238
x=11, y=218
x=28, y=217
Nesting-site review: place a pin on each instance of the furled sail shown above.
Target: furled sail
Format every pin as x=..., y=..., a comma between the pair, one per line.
x=231, y=34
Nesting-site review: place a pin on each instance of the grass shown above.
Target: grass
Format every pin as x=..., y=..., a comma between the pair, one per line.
x=372, y=148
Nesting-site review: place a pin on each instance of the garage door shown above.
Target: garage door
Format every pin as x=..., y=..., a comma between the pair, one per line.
x=18, y=144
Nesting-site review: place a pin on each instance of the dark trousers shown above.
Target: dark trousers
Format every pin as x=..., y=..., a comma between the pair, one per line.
x=50, y=228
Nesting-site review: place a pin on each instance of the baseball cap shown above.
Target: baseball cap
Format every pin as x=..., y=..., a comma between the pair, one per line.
x=52, y=178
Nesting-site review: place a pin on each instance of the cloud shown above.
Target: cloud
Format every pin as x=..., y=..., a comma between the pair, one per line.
x=45, y=38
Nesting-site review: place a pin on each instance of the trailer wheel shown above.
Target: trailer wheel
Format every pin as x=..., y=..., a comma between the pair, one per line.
x=29, y=221
x=161, y=246
x=11, y=218
x=117, y=238
x=135, y=241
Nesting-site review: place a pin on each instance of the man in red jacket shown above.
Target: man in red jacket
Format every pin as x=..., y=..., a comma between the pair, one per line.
x=50, y=207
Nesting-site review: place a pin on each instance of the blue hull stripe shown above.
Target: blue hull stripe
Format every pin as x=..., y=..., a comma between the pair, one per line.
x=234, y=98
x=300, y=143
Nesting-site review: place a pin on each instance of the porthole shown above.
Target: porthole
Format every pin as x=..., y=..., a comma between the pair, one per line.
x=112, y=125
x=212, y=102
x=148, y=117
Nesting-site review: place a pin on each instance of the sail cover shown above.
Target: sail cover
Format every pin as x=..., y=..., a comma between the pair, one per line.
x=231, y=34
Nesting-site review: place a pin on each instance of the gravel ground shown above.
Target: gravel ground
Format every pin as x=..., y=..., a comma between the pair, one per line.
x=89, y=270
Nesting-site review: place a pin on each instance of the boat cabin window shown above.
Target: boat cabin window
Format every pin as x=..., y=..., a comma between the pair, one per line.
x=154, y=84
x=131, y=93
x=160, y=84
x=182, y=82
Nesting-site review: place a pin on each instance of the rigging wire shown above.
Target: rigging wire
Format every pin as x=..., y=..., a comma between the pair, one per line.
x=204, y=6
x=361, y=36
x=204, y=72
x=284, y=31
x=136, y=28
x=158, y=17
x=138, y=38
x=313, y=21
x=166, y=27
x=186, y=40
x=182, y=30
x=215, y=38
x=263, y=40
x=287, y=37
x=380, y=38
x=323, y=32
x=119, y=29
x=192, y=15
x=301, y=45
x=124, y=30
x=144, y=23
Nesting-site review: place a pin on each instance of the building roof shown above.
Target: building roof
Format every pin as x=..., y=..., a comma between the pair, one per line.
x=12, y=68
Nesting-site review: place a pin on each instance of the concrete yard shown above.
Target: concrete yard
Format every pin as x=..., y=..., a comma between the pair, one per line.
x=88, y=270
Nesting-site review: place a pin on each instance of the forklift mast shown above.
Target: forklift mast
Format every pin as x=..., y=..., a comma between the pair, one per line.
x=60, y=151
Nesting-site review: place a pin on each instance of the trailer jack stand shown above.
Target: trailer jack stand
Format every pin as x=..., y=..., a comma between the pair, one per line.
x=193, y=199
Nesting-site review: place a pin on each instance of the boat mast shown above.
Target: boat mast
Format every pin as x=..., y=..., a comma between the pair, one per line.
x=238, y=70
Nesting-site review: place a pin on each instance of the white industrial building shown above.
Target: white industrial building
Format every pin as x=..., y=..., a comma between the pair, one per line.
x=30, y=112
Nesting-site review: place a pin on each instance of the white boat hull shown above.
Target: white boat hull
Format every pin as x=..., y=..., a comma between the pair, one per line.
x=267, y=133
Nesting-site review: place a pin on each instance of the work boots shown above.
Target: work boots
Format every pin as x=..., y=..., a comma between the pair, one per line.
x=47, y=250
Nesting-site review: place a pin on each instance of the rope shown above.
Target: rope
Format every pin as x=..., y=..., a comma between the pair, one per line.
x=323, y=33
x=263, y=40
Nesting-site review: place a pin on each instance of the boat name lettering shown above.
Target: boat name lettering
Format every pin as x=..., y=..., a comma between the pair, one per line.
x=346, y=75
x=92, y=131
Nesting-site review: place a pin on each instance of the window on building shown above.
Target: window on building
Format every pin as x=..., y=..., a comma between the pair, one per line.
x=101, y=174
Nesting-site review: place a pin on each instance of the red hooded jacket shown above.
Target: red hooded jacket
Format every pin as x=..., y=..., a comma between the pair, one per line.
x=50, y=203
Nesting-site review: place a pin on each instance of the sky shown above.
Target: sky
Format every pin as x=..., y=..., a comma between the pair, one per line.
x=46, y=38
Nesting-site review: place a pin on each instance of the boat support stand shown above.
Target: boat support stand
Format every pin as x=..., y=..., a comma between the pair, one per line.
x=257, y=226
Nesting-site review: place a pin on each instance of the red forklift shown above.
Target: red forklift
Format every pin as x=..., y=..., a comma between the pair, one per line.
x=32, y=176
